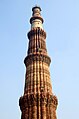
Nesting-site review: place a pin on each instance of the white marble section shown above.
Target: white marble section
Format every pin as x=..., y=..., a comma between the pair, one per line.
x=37, y=23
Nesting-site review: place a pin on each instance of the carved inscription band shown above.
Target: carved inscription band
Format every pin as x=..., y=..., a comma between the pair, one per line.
x=33, y=99
x=37, y=57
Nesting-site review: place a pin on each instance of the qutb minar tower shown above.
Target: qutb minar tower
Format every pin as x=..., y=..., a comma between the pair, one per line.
x=38, y=101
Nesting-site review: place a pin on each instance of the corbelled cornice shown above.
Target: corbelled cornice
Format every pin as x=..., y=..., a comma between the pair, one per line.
x=37, y=57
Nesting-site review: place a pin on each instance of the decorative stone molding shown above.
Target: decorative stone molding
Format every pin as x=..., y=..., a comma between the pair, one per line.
x=33, y=99
x=37, y=57
x=36, y=17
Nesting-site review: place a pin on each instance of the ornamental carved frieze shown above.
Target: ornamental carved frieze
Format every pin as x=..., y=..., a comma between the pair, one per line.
x=33, y=99
x=37, y=57
x=52, y=100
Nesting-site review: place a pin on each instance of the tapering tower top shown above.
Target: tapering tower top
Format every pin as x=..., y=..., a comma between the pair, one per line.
x=36, y=20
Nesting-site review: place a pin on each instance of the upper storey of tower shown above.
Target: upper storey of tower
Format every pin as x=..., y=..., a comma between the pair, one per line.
x=36, y=20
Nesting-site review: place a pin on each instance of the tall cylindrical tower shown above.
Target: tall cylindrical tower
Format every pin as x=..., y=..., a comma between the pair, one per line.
x=38, y=101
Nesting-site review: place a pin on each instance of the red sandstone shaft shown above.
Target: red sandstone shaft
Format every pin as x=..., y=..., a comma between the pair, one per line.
x=38, y=101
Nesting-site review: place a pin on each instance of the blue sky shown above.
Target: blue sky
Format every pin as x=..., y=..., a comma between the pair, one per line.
x=62, y=26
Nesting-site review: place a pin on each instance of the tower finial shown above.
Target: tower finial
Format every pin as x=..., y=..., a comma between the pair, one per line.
x=36, y=19
x=36, y=6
